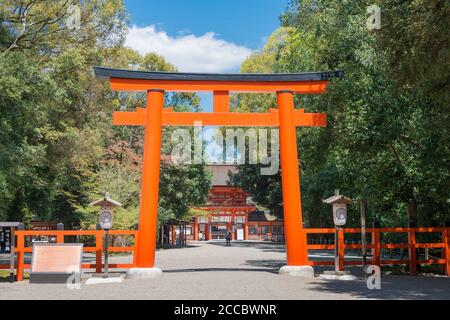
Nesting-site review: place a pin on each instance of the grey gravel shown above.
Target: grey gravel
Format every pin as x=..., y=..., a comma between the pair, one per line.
x=246, y=270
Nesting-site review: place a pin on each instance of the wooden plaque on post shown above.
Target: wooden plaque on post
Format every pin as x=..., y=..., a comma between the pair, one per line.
x=55, y=263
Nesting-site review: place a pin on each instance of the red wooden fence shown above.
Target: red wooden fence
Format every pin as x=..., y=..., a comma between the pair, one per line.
x=376, y=245
x=21, y=249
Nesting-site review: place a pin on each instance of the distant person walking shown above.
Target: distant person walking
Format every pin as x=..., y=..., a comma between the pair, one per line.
x=228, y=239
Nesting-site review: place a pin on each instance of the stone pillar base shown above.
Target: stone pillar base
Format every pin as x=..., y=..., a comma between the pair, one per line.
x=297, y=271
x=95, y=280
x=144, y=273
x=337, y=275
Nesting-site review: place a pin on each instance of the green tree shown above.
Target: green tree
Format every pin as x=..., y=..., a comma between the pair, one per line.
x=119, y=171
x=384, y=144
x=415, y=39
x=58, y=148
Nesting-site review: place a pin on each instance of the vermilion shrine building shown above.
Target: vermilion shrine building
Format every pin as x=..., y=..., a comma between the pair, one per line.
x=228, y=210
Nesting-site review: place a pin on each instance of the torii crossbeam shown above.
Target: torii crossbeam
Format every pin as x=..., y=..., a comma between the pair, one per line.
x=154, y=117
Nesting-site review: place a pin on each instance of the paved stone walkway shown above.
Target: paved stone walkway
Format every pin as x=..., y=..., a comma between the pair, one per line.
x=246, y=270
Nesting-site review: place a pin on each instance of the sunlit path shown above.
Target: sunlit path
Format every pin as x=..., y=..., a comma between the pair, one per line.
x=246, y=270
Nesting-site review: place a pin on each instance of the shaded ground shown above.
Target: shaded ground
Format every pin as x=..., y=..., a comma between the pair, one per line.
x=246, y=270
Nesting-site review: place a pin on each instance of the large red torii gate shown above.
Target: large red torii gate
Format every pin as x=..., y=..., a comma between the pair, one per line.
x=154, y=116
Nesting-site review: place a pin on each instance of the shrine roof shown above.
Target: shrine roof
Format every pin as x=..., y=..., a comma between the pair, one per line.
x=220, y=174
x=9, y=224
x=338, y=199
x=108, y=73
x=262, y=216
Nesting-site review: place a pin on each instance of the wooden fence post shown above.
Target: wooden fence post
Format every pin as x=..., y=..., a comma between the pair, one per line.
x=98, y=250
x=377, y=247
x=135, y=247
x=412, y=251
x=20, y=255
x=59, y=237
x=446, y=250
x=341, y=248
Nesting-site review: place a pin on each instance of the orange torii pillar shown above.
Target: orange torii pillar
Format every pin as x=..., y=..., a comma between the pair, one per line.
x=150, y=179
x=296, y=243
x=144, y=257
x=154, y=117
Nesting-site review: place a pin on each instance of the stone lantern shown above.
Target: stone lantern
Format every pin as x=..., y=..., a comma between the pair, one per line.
x=106, y=216
x=339, y=203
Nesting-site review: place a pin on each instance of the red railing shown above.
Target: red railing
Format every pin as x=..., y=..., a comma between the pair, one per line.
x=21, y=247
x=376, y=246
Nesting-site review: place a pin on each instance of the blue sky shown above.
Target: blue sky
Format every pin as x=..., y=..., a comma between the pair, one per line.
x=212, y=36
x=244, y=22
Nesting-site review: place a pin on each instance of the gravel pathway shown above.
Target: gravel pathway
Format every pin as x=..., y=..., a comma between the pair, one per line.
x=246, y=270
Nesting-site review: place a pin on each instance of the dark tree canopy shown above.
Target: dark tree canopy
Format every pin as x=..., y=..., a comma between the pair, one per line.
x=387, y=134
x=58, y=148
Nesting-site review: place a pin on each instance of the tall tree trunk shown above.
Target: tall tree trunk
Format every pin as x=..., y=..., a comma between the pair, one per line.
x=412, y=221
x=412, y=213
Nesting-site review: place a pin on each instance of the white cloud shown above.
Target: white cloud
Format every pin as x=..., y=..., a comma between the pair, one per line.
x=189, y=53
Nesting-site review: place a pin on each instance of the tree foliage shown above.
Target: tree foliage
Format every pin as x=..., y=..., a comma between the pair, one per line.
x=415, y=38
x=58, y=148
x=386, y=140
